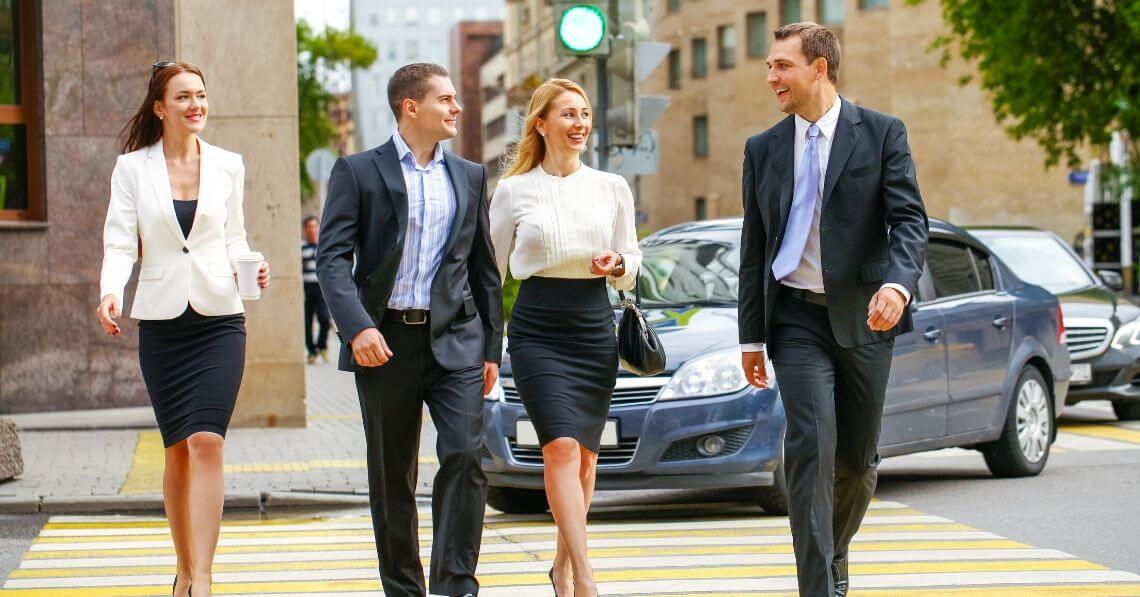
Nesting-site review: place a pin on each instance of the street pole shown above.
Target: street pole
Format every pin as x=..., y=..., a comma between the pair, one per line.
x=600, y=112
x=1118, y=152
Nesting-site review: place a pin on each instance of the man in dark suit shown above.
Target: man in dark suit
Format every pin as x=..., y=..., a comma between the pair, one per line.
x=422, y=316
x=832, y=248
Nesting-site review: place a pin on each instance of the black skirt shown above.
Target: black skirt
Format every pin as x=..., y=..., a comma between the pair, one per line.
x=564, y=357
x=192, y=366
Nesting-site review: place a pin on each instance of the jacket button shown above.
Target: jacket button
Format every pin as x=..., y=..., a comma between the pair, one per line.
x=185, y=250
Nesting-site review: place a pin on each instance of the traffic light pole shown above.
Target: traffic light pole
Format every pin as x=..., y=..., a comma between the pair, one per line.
x=600, y=111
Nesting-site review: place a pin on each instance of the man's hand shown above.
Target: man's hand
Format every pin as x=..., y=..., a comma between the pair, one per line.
x=885, y=310
x=755, y=370
x=490, y=375
x=369, y=348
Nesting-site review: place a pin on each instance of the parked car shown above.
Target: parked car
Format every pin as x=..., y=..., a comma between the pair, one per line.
x=1102, y=329
x=984, y=368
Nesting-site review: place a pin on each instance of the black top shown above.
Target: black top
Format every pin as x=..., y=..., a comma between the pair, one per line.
x=185, y=212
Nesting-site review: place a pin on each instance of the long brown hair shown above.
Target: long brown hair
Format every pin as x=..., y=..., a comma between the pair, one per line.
x=531, y=149
x=144, y=128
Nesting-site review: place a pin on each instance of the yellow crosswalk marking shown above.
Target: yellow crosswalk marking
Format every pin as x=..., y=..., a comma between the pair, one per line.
x=1114, y=432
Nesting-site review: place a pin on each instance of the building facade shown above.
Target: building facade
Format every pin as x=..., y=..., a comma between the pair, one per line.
x=404, y=33
x=473, y=43
x=340, y=112
x=969, y=170
x=83, y=69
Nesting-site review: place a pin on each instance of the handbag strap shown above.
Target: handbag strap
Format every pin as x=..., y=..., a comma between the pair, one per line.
x=636, y=292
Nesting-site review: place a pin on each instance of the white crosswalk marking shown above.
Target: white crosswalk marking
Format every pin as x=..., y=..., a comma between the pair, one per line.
x=675, y=551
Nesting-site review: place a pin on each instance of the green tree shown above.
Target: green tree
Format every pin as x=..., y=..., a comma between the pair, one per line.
x=318, y=54
x=1063, y=72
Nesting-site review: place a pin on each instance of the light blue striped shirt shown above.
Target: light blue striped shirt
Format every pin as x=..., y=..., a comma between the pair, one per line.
x=431, y=209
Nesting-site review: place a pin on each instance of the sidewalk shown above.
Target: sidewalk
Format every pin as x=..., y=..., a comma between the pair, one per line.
x=111, y=461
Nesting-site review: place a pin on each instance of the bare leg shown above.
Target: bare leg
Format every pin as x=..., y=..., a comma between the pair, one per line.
x=563, y=572
x=176, y=500
x=207, y=493
x=562, y=467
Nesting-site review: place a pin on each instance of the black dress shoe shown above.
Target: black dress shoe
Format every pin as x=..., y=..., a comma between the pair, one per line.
x=839, y=571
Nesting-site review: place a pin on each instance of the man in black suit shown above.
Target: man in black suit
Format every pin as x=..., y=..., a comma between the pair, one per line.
x=832, y=247
x=422, y=313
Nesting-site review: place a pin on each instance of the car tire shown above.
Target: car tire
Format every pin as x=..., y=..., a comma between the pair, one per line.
x=1126, y=411
x=774, y=498
x=515, y=500
x=1023, y=452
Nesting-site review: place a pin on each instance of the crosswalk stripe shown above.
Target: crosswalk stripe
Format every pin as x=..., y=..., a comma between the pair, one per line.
x=1113, y=432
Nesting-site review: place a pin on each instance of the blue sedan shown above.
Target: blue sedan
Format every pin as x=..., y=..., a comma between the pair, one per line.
x=985, y=368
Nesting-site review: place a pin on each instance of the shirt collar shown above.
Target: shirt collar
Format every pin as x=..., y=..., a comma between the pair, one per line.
x=403, y=151
x=826, y=123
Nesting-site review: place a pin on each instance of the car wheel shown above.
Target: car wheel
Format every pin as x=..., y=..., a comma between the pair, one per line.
x=774, y=498
x=1023, y=447
x=513, y=500
x=1126, y=411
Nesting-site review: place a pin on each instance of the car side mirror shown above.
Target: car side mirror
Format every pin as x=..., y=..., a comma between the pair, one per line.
x=1111, y=279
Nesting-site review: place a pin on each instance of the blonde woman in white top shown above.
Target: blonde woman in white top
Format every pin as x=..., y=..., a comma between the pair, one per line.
x=566, y=229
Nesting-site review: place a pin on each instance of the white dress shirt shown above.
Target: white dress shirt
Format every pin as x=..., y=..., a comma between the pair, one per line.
x=431, y=209
x=808, y=275
x=553, y=226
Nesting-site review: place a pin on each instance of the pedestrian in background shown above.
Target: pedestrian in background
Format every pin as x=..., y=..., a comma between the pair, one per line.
x=315, y=306
x=566, y=230
x=179, y=200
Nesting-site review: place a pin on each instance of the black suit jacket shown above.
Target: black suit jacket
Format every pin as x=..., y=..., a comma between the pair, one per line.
x=873, y=228
x=366, y=218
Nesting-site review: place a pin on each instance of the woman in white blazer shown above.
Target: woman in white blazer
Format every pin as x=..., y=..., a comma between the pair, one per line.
x=176, y=202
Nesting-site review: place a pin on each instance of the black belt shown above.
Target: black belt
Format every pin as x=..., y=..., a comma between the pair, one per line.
x=805, y=296
x=409, y=316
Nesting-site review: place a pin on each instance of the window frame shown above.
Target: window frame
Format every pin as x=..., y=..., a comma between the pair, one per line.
x=831, y=24
x=703, y=56
x=784, y=20
x=927, y=277
x=676, y=72
x=28, y=114
x=762, y=33
x=726, y=57
x=696, y=138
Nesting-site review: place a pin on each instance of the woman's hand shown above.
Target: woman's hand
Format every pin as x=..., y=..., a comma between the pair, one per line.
x=263, y=275
x=107, y=311
x=607, y=263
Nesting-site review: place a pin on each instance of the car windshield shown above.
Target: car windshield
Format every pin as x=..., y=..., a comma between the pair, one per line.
x=1039, y=259
x=688, y=271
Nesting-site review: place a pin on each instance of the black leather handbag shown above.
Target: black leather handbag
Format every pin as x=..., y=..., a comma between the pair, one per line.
x=639, y=349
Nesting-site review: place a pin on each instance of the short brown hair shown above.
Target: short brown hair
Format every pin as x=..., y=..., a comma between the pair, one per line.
x=818, y=42
x=412, y=82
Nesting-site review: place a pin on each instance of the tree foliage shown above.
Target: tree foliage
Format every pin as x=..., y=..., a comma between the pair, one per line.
x=1063, y=72
x=318, y=54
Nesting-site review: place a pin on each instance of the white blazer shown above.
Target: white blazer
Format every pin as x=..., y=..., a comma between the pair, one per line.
x=176, y=271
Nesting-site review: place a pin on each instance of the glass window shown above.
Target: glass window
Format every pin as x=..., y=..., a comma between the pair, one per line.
x=985, y=273
x=701, y=136
x=830, y=12
x=1037, y=258
x=496, y=127
x=673, y=5
x=390, y=16
x=700, y=58
x=690, y=271
x=757, y=34
x=874, y=3
x=951, y=269
x=435, y=16
x=700, y=208
x=413, y=49
x=726, y=46
x=411, y=15
x=790, y=11
x=19, y=129
x=674, y=69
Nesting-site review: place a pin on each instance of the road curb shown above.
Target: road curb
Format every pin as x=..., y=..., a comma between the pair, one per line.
x=113, y=504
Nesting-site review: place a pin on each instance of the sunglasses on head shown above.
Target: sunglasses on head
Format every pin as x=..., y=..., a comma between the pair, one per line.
x=161, y=64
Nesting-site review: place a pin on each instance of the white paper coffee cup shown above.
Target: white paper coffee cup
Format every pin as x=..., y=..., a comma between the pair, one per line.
x=248, y=266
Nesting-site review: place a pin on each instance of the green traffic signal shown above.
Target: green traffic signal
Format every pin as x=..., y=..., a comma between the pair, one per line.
x=581, y=28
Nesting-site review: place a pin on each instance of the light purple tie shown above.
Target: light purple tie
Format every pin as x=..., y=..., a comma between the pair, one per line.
x=804, y=198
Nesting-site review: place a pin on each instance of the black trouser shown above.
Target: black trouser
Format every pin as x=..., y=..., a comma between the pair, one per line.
x=833, y=399
x=315, y=306
x=391, y=402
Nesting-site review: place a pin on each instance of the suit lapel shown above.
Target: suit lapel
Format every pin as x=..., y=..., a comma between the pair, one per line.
x=388, y=163
x=209, y=174
x=458, y=176
x=847, y=132
x=160, y=179
x=783, y=159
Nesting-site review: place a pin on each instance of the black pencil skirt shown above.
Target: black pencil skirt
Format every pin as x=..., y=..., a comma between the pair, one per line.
x=192, y=366
x=564, y=358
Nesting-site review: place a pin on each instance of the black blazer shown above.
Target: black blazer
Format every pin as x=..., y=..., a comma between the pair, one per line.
x=366, y=218
x=873, y=228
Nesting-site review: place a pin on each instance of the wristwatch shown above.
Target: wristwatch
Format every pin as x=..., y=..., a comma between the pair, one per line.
x=619, y=271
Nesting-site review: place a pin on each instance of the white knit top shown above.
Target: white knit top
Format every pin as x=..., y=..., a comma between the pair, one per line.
x=552, y=226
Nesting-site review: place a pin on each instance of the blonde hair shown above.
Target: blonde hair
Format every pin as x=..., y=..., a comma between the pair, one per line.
x=531, y=148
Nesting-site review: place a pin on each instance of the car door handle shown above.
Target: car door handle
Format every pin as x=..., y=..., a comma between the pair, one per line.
x=1000, y=321
x=932, y=335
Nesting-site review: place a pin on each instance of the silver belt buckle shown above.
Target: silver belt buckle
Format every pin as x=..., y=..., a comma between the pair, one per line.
x=420, y=321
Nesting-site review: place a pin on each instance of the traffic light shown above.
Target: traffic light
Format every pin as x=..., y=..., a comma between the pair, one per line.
x=581, y=28
x=632, y=59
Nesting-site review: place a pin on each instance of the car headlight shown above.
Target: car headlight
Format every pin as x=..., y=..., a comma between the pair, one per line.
x=496, y=394
x=710, y=375
x=1127, y=336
